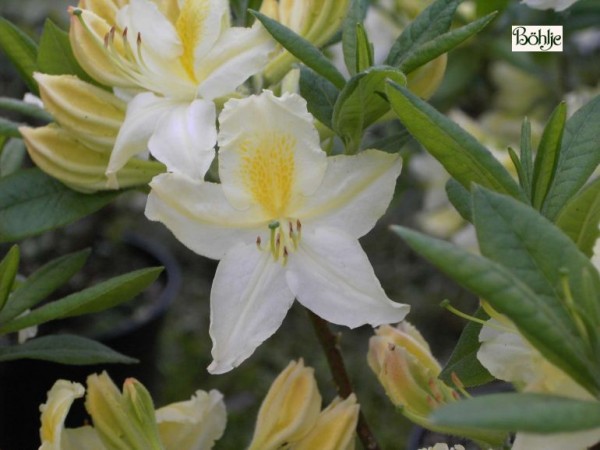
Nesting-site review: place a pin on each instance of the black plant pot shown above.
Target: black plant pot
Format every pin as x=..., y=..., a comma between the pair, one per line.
x=24, y=383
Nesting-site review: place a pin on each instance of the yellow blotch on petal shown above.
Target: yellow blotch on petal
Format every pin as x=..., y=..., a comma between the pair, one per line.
x=268, y=169
x=190, y=25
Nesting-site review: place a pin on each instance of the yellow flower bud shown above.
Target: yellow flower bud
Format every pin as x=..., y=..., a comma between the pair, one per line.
x=404, y=365
x=62, y=155
x=55, y=410
x=335, y=427
x=425, y=80
x=290, y=409
x=317, y=21
x=122, y=420
x=90, y=113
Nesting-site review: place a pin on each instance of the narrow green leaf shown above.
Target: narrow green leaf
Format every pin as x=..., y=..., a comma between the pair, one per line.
x=533, y=249
x=517, y=163
x=356, y=15
x=549, y=332
x=460, y=197
x=463, y=361
x=364, y=49
x=12, y=157
x=359, y=104
x=42, y=283
x=9, y=128
x=31, y=202
x=442, y=44
x=320, y=95
x=461, y=155
x=27, y=109
x=8, y=271
x=579, y=157
x=21, y=51
x=432, y=22
x=526, y=157
x=97, y=298
x=65, y=349
x=302, y=49
x=534, y=413
x=547, y=155
x=580, y=217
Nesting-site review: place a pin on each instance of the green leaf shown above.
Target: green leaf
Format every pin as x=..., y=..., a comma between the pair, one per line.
x=8, y=271
x=31, y=202
x=533, y=249
x=21, y=51
x=94, y=299
x=359, y=104
x=55, y=55
x=320, y=95
x=461, y=155
x=547, y=156
x=442, y=44
x=65, y=349
x=460, y=198
x=9, y=128
x=42, y=283
x=27, y=109
x=356, y=15
x=463, y=360
x=364, y=49
x=579, y=157
x=526, y=176
x=12, y=157
x=550, y=332
x=580, y=217
x=534, y=413
x=432, y=22
x=302, y=49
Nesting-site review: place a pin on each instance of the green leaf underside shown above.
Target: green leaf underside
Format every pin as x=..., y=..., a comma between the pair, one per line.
x=579, y=157
x=32, y=202
x=537, y=321
x=535, y=413
x=42, y=283
x=65, y=349
x=302, y=49
x=94, y=299
x=460, y=153
x=21, y=51
x=580, y=217
x=320, y=95
x=463, y=360
x=9, y=267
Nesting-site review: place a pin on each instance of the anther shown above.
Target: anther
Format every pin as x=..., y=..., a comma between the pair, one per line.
x=258, y=242
x=125, y=33
x=139, y=39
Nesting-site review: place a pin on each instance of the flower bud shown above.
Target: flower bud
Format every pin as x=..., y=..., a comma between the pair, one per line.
x=60, y=398
x=424, y=80
x=61, y=155
x=91, y=114
x=290, y=409
x=335, y=427
x=193, y=424
x=122, y=420
x=404, y=365
x=317, y=21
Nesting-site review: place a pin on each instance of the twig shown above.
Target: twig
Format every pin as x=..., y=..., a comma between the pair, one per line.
x=330, y=346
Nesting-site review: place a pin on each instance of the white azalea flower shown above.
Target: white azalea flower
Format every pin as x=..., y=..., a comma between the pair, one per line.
x=171, y=59
x=284, y=223
x=557, y=5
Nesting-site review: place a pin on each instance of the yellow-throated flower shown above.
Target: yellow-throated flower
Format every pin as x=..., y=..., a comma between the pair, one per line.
x=170, y=59
x=284, y=222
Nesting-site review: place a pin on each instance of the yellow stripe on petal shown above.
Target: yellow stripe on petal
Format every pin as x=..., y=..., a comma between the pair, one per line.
x=190, y=28
x=268, y=169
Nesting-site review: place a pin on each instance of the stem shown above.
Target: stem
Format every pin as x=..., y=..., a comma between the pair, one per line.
x=329, y=342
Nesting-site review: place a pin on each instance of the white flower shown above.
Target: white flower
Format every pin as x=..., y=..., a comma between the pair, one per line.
x=171, y=59
x=284, y=223
x=557, y=5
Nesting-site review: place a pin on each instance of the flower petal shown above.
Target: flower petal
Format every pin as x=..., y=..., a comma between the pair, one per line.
x=248, y=302
x=237, y=55
x=59, y=400
x=82, y=438
x=269, y=152
x=331, y=275
x=581, y=440
x=194, y=424
x=355, y=192
x=185, y=138
x=198, y=214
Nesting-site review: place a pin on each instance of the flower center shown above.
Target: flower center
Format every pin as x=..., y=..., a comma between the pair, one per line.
x=284, y=238
x=190, y=25
x=268, y=167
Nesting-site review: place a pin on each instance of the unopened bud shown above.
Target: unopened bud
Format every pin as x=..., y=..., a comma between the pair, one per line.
x=424, y=80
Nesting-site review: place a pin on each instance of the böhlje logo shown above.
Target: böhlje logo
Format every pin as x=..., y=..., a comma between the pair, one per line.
x=537, y=38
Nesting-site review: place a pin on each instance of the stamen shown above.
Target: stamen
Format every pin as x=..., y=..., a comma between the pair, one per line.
x=446, y=305
x=258, y=242
x=459, y=385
